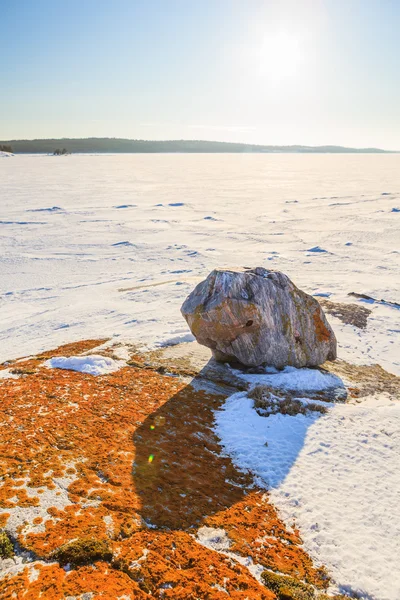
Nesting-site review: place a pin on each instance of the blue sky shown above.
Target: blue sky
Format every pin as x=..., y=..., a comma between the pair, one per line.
x=275, y=72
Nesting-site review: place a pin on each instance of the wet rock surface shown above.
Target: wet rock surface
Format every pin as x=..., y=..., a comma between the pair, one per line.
x=259, y=317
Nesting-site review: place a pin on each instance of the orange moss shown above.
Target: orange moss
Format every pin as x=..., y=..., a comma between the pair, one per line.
x=101, y=432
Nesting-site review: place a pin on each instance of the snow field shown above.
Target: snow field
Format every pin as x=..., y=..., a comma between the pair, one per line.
x=110, y=246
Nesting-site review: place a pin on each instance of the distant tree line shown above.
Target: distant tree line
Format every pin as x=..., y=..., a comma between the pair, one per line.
x=113, y=145
x=5, y=148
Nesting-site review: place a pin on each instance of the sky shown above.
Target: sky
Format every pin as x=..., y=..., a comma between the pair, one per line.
x=309, y=72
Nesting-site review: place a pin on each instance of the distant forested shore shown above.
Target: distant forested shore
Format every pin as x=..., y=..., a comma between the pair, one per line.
x=120, y=145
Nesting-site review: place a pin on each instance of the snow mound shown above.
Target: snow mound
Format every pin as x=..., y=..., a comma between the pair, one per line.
x=5, y=154
x=94, y=364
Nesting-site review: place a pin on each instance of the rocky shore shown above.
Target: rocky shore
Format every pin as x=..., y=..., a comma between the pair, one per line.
x=116, y=487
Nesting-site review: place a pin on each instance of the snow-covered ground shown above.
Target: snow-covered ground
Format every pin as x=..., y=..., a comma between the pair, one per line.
x=97, y=246
x=110, y=245
x=336, y=477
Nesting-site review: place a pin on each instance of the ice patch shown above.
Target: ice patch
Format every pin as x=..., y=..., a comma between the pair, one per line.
x=123, y=244
x=322, y=294
x=126, y=206
x=93, y=364
x=51, y=209
x=316, y=249
x=22, y=223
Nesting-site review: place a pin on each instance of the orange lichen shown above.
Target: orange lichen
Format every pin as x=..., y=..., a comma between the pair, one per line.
x=256, y=531
x=65, y=350
x=99, y=432
x=322, y=332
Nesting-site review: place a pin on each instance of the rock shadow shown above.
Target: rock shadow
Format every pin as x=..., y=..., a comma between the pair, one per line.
x=179, y=473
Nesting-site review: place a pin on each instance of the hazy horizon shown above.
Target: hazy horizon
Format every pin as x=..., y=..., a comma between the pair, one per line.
x=310, y=73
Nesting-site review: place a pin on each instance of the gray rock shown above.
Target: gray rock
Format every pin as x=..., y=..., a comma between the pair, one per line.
x=258, y=317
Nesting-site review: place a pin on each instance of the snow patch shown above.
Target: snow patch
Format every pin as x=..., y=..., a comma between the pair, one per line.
x=93, y=364
x=215, y=539
x=292, y=379
x=335, y=477
x=6, y=374
x=177, y=339
x=218, y=540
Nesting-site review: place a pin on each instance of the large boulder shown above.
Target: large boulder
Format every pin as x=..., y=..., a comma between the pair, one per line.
x=259, y=317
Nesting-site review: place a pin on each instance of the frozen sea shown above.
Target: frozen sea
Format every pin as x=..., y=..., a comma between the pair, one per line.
x=110, y=245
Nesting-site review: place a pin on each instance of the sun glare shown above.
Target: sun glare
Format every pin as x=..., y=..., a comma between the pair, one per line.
x=280, y=56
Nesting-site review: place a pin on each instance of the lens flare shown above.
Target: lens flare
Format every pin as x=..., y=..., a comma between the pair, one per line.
x=151, y=458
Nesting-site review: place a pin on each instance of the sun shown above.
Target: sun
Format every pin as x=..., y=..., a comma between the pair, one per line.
x=280, y=56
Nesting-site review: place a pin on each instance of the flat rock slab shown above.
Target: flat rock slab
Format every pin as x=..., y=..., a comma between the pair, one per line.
x=259, y=317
